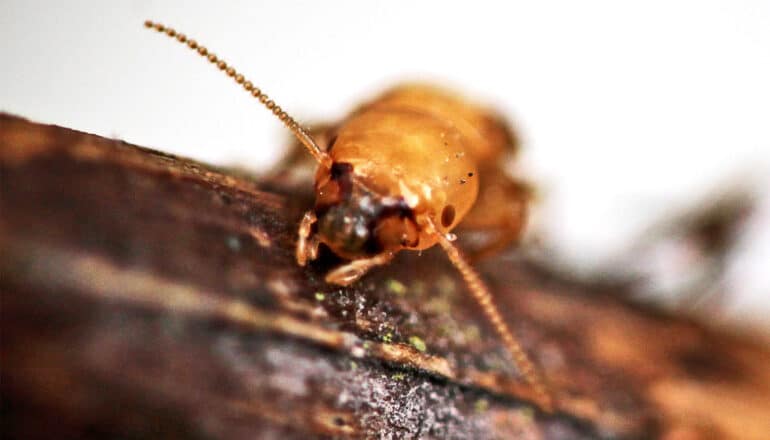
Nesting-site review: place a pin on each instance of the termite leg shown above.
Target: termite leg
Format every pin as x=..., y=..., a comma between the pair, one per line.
x=350, y=272
x=307, y=244
x=500, y=238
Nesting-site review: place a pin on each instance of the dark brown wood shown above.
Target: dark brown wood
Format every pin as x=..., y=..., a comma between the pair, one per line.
x=146, y=295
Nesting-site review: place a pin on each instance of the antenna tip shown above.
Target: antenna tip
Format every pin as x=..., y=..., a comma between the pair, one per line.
x=148, y=23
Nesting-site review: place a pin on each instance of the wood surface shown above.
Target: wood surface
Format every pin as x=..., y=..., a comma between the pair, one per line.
x=146, y=295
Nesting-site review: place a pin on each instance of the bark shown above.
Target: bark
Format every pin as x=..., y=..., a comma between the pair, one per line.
x=146, y=295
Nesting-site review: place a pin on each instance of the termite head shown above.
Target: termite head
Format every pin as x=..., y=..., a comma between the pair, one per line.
x=355, y=221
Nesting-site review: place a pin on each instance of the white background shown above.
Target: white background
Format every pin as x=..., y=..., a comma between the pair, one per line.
x=629, y=113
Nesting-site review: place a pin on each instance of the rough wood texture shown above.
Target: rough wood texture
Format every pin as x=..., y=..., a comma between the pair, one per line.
x=146, y=295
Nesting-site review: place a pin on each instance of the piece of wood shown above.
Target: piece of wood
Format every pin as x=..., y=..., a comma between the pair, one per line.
x=146, y=295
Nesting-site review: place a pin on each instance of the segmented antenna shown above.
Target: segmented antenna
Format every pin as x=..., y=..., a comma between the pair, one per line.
x=483, y=297
x=302, y=135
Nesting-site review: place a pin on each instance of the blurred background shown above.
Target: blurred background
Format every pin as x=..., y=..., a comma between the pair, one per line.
x=644, y=127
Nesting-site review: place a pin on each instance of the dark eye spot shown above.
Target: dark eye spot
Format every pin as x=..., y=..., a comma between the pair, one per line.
x=339, y=169
x=447, y=215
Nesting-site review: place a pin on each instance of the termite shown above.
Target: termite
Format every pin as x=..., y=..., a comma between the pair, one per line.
x=400, y=174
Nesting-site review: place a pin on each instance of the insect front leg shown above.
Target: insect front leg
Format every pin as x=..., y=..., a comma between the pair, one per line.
x=350, y=272
x=307, y=244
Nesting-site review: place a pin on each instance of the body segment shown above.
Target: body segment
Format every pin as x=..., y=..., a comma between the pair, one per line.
x=424, y=146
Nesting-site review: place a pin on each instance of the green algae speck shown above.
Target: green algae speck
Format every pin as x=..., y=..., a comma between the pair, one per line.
x=418, y=343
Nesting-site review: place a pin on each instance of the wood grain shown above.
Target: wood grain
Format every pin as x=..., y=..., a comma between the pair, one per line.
x=146, y=295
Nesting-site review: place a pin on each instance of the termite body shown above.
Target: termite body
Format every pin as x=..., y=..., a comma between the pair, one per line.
x=407, y=168
x=401, y=173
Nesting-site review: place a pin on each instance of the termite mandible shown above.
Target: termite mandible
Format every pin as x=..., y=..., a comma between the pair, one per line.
x=401, y=173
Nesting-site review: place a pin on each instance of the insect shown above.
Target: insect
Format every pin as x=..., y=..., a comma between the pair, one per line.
x=401, y=173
